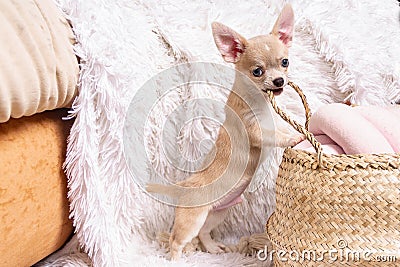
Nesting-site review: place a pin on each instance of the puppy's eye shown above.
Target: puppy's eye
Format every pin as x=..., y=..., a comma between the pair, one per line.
x=285, y=63
x=258, y=72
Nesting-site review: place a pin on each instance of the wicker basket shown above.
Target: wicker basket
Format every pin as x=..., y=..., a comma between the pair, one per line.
x=335, y=210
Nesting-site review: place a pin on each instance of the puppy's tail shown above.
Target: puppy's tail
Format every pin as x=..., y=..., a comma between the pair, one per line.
x=162, y=189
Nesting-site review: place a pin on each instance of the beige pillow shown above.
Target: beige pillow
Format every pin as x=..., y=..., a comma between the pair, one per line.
x=38, y=69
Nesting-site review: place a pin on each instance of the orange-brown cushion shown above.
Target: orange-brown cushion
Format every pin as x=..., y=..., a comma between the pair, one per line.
x=38, y=69
x=33, y=192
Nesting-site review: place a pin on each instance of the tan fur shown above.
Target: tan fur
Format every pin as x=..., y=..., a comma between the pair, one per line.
x=266, y=52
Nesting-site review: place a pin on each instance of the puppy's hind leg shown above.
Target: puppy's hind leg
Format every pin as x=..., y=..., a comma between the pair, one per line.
x=188, y=222
x=213, y=219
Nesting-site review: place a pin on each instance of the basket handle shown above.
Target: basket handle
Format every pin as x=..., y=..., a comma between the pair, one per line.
x=300, y=128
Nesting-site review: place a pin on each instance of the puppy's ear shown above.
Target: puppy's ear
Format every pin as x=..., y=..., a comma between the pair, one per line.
x=230, y=44
x=284, y=25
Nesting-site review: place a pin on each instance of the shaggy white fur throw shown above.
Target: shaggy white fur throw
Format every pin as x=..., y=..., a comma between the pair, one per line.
x=342, y=50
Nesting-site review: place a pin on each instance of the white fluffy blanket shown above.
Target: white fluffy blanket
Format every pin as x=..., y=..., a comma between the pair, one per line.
x=342, y=50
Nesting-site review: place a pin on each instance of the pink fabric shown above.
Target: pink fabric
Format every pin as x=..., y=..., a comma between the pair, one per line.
x=386, y=120
x=355, y=130
x=328, y=145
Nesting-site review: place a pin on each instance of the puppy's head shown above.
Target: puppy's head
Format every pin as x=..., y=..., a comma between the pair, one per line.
x=264, y=59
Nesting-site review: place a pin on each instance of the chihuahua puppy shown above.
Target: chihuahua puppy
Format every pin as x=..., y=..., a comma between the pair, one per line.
x=263, y=60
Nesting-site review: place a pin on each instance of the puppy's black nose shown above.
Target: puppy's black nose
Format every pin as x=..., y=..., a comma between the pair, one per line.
x=278, y=82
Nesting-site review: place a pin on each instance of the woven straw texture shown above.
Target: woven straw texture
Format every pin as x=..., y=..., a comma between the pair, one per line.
x=335, y=210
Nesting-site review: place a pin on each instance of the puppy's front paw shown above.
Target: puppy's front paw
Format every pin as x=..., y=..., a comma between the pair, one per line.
x=175, y=256
x=296, y=139
x=214, y=247
x=291, y=141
